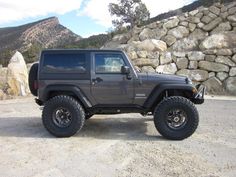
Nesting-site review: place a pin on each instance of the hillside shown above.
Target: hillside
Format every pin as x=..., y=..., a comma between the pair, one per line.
x=30, y=38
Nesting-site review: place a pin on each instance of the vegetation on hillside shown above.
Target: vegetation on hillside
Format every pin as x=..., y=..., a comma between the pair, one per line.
x=95, y=41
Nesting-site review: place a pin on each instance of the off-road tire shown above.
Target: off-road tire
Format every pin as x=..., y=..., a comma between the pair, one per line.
x=33, y=76
x=176, y=102
x=77, y=116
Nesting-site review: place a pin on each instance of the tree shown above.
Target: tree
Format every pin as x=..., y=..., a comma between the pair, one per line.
x=32, y=54
x=131, y=12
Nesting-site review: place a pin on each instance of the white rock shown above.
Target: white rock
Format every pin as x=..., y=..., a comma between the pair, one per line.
x=152, y=45
x=17, y=77
x=167, y=69
x=224, y=60
x=171, y=23
x=231, y=85
x=222, y=75
x=232, y=71
x=196, y=55
x=179, y=32
x=195, y=75
x=165, y=58
x=148, y=69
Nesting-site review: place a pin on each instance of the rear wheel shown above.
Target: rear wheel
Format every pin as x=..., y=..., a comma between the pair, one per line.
x=176, y=118
x=63, y=116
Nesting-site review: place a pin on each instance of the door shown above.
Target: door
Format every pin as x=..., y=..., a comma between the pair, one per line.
x=109, y=85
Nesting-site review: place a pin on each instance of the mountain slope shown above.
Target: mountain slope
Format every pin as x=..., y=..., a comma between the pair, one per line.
x=46, y=33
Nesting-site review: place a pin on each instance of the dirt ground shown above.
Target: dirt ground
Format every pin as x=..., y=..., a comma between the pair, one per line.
x=116, y=145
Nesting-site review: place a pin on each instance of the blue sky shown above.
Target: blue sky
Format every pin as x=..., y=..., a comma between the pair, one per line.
x=84, y=17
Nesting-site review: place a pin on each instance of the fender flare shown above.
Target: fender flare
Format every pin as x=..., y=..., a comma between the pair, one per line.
x=151, y=100
x=67, y=88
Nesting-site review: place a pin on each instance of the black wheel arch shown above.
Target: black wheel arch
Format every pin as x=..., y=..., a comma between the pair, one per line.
x=166, y=90
x=69, y=90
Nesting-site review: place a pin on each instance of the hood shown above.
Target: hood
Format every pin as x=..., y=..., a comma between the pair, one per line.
x=155, y=77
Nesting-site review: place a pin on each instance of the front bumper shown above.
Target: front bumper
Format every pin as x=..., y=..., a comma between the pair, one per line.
x=199, y=96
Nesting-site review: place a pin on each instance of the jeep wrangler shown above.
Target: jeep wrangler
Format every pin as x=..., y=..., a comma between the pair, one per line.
x=73, y=85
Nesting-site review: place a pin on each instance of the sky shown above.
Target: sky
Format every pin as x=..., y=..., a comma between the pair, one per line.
x=83, y=17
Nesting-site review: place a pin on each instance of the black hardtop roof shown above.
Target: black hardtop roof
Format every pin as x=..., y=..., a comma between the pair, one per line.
x=84, y=50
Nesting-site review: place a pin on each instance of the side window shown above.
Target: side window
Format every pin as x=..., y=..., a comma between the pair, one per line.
x=108, y=63
x=66, y=63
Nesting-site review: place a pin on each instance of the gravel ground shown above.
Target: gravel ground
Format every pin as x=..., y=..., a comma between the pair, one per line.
x=116, y=145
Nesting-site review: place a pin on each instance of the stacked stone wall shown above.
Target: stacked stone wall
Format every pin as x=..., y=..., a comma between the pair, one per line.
x=200, y=44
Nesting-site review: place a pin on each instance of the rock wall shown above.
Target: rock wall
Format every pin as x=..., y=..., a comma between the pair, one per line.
x=200, y=44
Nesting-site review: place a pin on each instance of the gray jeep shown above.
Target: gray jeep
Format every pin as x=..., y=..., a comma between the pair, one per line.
x=73, y=85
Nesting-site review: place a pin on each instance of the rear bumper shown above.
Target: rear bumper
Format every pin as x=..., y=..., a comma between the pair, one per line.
x=199, y=96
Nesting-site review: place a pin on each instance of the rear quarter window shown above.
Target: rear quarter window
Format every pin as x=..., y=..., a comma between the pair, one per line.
x=64, y=63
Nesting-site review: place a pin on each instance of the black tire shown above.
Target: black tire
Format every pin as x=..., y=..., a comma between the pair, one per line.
x=169, y=111
x=33, y=76
x=50, y=111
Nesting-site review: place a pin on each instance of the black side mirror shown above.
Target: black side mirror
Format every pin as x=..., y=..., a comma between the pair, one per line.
x=125, y=70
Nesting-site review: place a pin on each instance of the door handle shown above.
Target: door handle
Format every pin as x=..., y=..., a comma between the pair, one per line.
x=97, y=80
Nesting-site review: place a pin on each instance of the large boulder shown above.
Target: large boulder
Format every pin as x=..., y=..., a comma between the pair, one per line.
x=224, y=60
x=214, y=86
x=198, y=34
x=148, y=69
x=196, y=55
x=232, y=18
x=186, y=44
x=220, y=40
x=159, y=32
x=167, y=69
x=234, y=58
x=142, y=62
x=222, y=75
x=214, y=10
x=182, y=63
x=17, y=77
x=206, y=19
x=222, y=28
x=169, y=39
x=171, y=23
x=195, y=75
x=165, y=58
x=224, y=52
x=230, y=85
x=211, y=66
x=132, y=55
x=146, y=34
x=121, y=38
x=151, y=45
x=142, y=54
x=212, y=24
x=232, y=71
x=179, y=32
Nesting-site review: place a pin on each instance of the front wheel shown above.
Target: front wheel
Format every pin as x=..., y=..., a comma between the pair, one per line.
x=176, y=118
